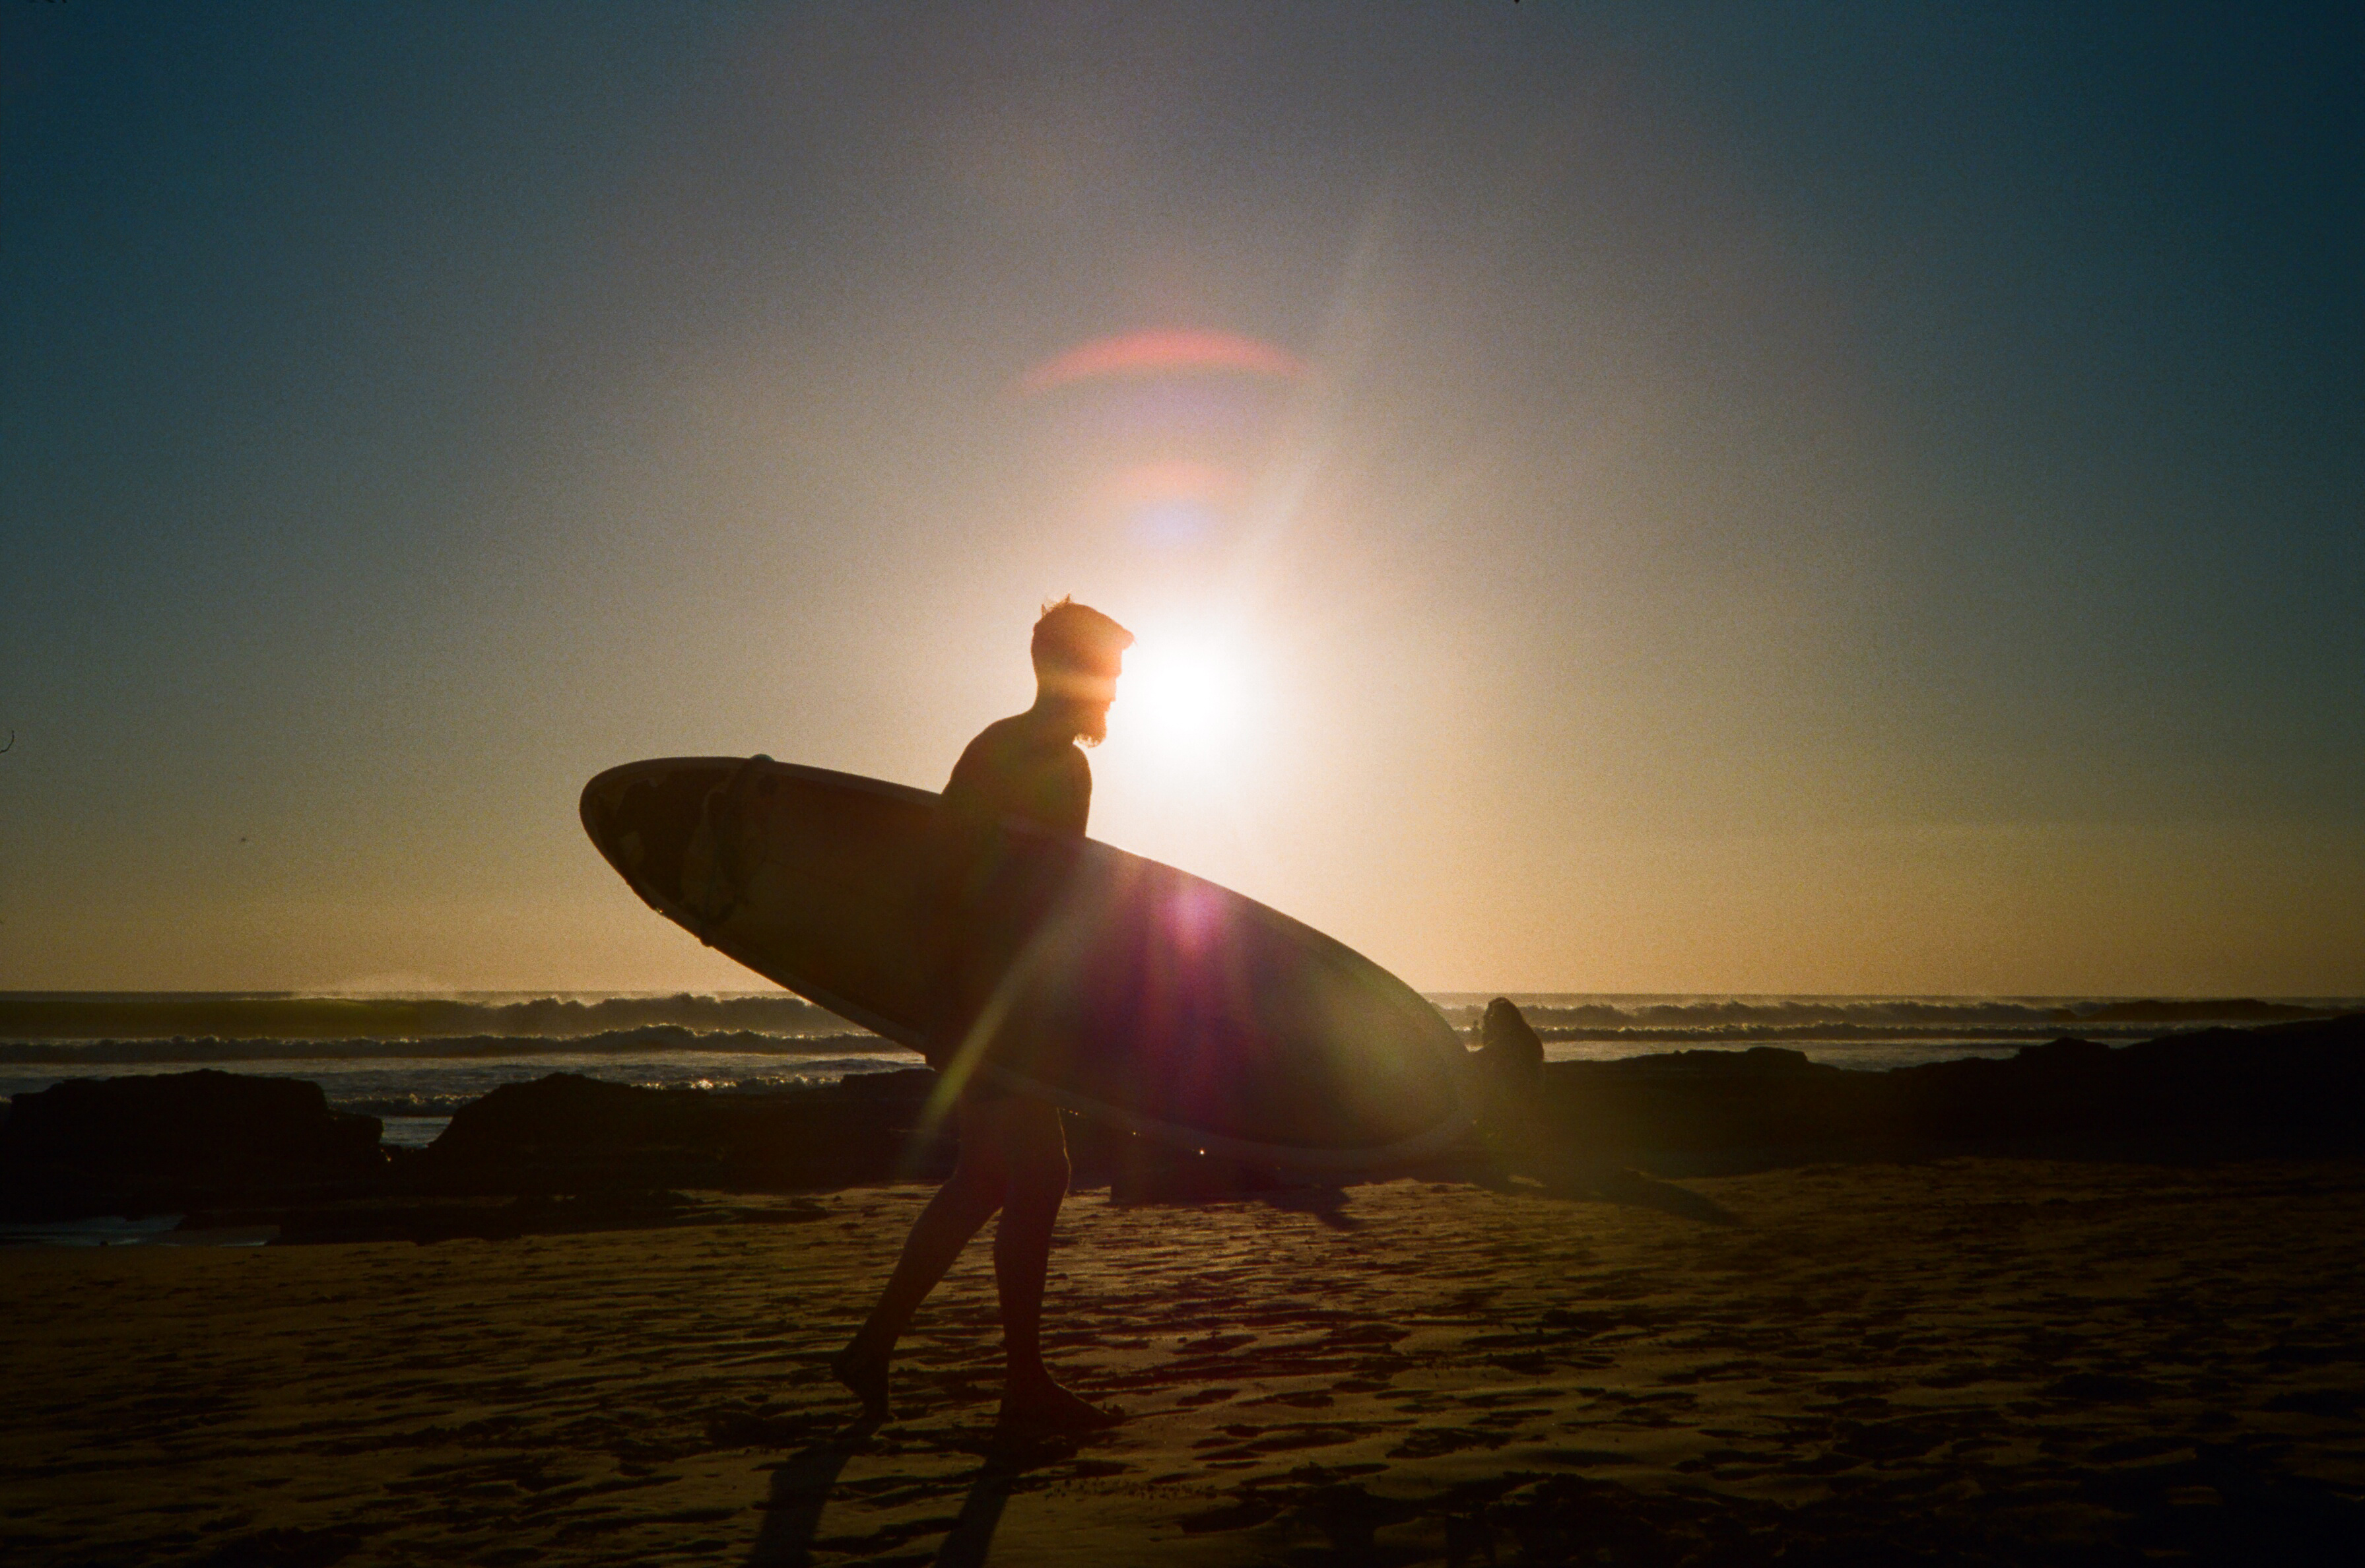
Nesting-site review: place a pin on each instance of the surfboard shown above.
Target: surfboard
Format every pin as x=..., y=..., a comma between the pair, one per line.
x=1117, y=987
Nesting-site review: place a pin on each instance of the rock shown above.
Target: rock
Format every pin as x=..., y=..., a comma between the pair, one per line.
x=566, y=1133
x=271, y=1150
x=155, y=1143
x=2279, y=1092
x=1510, y=1055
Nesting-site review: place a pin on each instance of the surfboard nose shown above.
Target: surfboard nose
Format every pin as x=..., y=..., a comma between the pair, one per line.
x=601, y=809
x=640, y=817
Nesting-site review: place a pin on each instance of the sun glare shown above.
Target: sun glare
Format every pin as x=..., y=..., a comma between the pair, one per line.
x=1183, y=697
x=1197, y=759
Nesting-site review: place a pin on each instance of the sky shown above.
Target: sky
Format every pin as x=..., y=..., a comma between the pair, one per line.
x=1854, y=499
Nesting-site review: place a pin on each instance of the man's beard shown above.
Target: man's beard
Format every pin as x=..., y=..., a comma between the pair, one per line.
x=1092, y=730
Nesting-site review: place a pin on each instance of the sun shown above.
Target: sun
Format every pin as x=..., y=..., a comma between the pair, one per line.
x=1200, y=747
x=1183, y=697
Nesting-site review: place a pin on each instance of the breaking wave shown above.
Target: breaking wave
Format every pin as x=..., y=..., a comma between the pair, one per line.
x=274, y=1015
x=1661, y=1021
x=655, y=1040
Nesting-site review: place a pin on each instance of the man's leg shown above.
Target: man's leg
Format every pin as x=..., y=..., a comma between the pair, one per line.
x=1035, y=1150
x=957, y=1211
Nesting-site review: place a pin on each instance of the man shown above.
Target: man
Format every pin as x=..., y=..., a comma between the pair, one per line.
x=1014, y=1156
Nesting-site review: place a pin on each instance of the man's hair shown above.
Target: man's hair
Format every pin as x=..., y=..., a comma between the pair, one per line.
x=1072, y=636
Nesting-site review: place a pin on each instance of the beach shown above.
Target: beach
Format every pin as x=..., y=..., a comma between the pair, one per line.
x=1967, y=1359
x=1603, y=760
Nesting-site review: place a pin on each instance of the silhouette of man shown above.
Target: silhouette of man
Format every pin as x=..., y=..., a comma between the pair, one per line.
x=1014, y=1156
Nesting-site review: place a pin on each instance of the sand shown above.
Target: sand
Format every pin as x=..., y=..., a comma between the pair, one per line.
x=2004, y=1361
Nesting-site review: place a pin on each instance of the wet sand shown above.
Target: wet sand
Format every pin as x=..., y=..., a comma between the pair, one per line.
x=2000, y=1360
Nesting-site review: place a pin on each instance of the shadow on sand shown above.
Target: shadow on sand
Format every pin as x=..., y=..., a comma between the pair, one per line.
x=1628, y=1187
x=971, y=1536
x=800, y=1489
x=1327, y=1204
x=1642, y=1192
x=802, y=1484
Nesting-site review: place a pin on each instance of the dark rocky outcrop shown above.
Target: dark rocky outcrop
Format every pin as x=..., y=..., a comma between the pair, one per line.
x=158, y=1143
x=1509, y=1054
x=566, y=1133
x=2282, y=1092
x=272, y=1150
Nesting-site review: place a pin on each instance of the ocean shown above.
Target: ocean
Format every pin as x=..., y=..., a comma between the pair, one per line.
x=412, y=1061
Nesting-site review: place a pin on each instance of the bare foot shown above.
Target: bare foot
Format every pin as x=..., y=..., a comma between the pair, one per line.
x=866, y=1375
x=1046, y=1407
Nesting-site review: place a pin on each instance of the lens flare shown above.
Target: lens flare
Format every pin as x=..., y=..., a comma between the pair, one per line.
x=1166, y=352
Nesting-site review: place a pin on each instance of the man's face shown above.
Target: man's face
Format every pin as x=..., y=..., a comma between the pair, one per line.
x=1092, y=710
x=1087, y=696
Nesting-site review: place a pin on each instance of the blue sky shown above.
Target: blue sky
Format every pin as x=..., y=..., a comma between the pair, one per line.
x=1862, y=498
